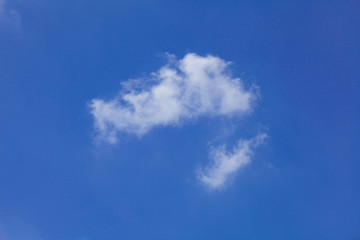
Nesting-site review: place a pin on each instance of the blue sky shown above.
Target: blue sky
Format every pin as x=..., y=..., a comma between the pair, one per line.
x=179, y=119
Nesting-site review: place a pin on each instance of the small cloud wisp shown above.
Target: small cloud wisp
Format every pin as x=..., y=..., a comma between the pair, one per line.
x=225, y=163
x=9, y=17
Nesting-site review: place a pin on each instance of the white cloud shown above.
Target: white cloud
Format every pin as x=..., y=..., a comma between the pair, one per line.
x=225, y=163
x=182, y=90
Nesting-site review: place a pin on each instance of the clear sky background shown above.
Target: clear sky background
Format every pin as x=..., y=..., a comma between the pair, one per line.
x=58, y=181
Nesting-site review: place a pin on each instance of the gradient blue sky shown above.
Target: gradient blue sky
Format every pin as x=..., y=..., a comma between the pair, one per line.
x=57, y=182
